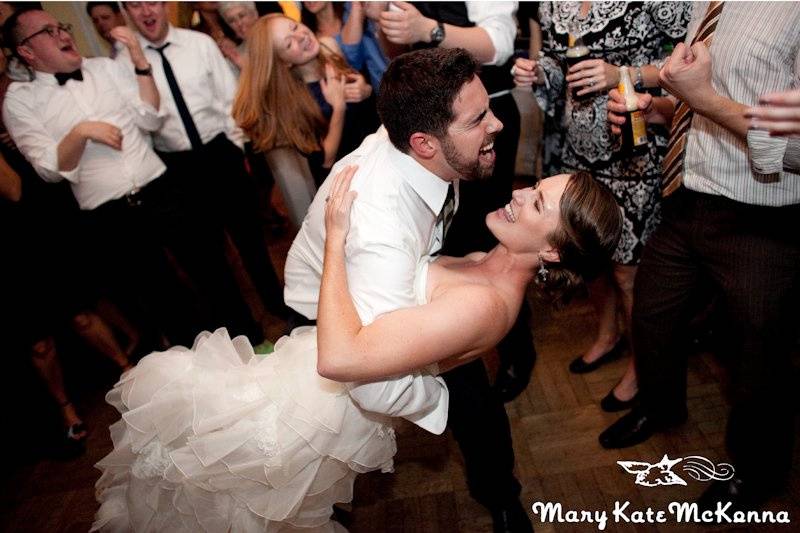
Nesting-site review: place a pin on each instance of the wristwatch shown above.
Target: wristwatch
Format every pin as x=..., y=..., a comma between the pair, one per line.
x=638, y=81
x=437, y=34
x=144, y=71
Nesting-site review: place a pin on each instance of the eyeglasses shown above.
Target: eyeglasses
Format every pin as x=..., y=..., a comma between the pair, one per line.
x=52, y=31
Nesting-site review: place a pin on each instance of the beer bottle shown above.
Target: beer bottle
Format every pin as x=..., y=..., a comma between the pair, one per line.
x=576, y=52
x=634, y=131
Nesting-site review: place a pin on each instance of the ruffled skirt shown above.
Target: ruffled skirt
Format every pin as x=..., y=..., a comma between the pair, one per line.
x=217, y=439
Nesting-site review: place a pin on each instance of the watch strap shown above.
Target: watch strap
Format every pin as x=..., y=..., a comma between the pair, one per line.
x=437, y=33
x=144, y=71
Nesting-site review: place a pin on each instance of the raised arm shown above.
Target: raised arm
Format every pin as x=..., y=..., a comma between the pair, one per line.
x=687, y=76
x=146, y=84
x=490, y=40
x=333, y=90
x=462, y=321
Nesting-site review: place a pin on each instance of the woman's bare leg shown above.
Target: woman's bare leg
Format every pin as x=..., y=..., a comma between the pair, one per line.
x=624, y=277
x=114, y=317
x=99, y=336
x=45, y=361
x=604, y=298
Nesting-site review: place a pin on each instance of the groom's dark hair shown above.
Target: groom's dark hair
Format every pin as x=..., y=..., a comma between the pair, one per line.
x=418, y=90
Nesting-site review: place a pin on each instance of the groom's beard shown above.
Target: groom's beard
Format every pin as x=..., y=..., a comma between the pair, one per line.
x=467, y=169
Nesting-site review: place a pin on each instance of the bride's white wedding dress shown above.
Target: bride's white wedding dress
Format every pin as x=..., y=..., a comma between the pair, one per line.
x=218, y=439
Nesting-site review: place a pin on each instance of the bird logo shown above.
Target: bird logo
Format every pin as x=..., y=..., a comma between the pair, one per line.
x=664, y=471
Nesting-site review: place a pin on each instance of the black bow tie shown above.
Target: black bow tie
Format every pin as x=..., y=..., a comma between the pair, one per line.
x=62, y=78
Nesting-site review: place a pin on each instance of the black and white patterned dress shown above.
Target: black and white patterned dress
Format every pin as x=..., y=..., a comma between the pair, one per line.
x=577, y=135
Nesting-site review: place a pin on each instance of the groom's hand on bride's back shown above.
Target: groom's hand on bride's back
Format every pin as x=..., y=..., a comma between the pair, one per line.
x=337, y=206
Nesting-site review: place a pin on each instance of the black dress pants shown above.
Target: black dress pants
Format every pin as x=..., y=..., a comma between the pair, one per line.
x=480, y=425
x=217, y=176
x=477, y=416
x=752, y=255
x=136, y=230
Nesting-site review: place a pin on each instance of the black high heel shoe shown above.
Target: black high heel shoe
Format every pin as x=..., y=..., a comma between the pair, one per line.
x=612, y=404
x=579, y=366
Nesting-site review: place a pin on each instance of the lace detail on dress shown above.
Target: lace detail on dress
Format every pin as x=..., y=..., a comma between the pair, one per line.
x=266, y=430
x=151, y=462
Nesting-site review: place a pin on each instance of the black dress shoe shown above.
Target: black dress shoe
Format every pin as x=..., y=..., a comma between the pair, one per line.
x=511, y=519
x=512, y=381
x=612, y=404
x=635, y=428
x=579, y=366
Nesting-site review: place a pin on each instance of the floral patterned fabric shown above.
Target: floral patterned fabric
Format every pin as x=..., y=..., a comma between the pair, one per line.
x=577, y=136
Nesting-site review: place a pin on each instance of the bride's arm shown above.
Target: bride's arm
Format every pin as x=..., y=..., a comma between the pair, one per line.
x=462, y=321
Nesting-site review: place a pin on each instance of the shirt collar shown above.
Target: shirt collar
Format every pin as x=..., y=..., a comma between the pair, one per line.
x=173, y=37
x=45, y=78
x=48, y=79
x=430, y=187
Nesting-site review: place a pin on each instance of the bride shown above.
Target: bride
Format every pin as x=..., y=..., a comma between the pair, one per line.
x=214, y=438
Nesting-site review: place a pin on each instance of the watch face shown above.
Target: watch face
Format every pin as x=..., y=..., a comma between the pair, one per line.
x=437, y=34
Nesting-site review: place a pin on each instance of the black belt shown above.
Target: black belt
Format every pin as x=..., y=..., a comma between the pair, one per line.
x=136, y=196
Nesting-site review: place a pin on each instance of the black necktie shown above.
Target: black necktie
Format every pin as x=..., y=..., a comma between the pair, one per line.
x=62, y=77
x=180, y=103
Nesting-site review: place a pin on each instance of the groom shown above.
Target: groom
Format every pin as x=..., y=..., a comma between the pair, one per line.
x=438, y=129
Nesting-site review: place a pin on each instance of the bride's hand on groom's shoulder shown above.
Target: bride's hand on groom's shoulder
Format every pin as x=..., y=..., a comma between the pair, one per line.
x=337, y=206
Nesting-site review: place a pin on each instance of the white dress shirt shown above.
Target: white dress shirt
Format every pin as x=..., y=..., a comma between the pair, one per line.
x=497, y=19
x=393, y=226
x=755, y=50
x=40, y=113
x=207, y=84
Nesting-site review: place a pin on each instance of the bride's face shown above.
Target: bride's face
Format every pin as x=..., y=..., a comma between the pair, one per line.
x=533, y=213
x=294, y=43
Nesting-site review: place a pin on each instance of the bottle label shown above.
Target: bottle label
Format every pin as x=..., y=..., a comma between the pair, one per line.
x=639, y=128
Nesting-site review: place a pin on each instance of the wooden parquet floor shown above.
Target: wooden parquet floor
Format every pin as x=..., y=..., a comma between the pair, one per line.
x=555, y=424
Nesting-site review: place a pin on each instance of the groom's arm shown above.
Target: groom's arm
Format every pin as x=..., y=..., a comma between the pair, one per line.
x=419, y=398
x=381, y=278
x=382, y=258
x=381, y=273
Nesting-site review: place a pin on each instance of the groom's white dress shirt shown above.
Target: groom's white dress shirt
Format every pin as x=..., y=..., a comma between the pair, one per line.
x=40, y=113
x=393, y=225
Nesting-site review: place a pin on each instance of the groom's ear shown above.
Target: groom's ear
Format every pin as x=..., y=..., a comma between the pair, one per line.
x=424, y=145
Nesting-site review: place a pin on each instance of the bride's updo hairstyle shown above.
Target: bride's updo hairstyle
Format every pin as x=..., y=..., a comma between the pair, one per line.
x=590, y=226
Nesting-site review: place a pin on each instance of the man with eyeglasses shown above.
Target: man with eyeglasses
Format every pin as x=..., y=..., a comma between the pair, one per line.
x=76, y=121
x=199, y=141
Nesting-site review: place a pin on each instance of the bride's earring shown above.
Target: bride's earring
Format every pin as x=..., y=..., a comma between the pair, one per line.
x=541, y=274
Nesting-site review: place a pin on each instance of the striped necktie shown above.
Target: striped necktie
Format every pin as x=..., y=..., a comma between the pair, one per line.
x=448, y=210
x=676, y=149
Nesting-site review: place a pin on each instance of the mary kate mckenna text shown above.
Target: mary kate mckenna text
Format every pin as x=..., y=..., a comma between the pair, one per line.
x=679, y=512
